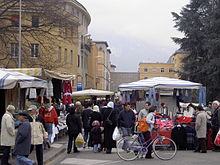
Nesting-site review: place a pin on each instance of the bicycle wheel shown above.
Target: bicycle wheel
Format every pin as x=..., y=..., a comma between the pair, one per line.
x=164, y=148
x=128, y=148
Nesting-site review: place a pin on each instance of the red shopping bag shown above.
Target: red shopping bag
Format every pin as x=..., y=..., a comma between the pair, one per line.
x=217, y=139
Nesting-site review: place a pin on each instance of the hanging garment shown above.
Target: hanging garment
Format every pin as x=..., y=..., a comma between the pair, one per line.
x=202, y=96
x=50, y=89
x=32, y=93
x=67, y=92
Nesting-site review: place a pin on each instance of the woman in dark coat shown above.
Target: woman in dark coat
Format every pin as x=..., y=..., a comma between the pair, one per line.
x=109, y=113
x=74, y=128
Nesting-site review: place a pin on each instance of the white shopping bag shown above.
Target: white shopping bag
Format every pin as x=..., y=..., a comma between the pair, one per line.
x=116, y=134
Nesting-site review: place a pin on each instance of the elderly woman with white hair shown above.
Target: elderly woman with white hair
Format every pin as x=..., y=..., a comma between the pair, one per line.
x=95, y=115
x=7, y=133
x=215, y=122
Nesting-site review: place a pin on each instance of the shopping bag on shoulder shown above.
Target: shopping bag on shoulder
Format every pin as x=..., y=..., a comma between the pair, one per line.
x=116, y=134
x=79, y=141
x=217, y=139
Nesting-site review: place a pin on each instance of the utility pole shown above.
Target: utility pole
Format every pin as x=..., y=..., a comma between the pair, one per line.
x=19, y=40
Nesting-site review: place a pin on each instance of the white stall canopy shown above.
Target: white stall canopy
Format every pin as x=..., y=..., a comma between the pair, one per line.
x=9, y=79
x=92, y=92
x=159, y=82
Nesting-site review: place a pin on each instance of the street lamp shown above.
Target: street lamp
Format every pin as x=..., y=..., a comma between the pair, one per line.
x=19, y=40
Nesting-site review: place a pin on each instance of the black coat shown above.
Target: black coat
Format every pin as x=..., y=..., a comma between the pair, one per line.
x=126, y=119
x=96, y=135
x=74, y=124
x=216, y=118
x=108, y=130
x=178, y=135
x=23, y=139
x=86, y=114
x=95, y=116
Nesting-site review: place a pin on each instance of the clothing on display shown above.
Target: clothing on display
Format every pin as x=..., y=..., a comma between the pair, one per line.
x=32, y=93
x=67, y=92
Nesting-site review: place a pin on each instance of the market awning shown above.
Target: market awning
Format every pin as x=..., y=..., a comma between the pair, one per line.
x=28, y=71
x=160, y=82
x=92, y=92
x=9, y=79
x=59, y=75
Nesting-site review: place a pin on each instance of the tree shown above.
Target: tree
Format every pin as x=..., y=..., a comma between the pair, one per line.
x=55, y=24
x=200, y=23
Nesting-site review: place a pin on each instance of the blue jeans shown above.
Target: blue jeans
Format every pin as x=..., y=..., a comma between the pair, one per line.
x=49, y=127
x=125, y=132
x=96, y=147
x=22, y=160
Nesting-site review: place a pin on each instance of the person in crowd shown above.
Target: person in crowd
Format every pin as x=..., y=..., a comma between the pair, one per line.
x=74, y=128
x=201, y=129
x=50, y=116
x=86, y=117
x=126, y=120
x=96, y=136
x=109, y=122
x=190, y=111
x=143, y=113
x=7, y=133
x=164, y=109
x=95, y=115
x=209, y=108
x=38, y=133
x=135, y=111
x=215, y=122
x=23, y=141
x=79, y=108
x=150, y=119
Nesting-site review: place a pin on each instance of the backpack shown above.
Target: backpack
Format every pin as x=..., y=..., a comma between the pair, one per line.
x=142, y=125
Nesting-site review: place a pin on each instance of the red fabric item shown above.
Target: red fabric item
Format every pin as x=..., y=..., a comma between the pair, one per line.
x=210, y=145
x=49, y=116
x=67, y=92
x=67, y=88
x=183, y=119
x=217, y=139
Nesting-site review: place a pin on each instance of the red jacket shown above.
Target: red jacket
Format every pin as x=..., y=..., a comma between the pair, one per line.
x=50, y=115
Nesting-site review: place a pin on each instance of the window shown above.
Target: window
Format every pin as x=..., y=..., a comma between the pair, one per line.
x=65, y=55
x=71, y=57
x=14, y=49
x=59, y=54
x=15, y=20
x=34, y=50
x=171, y=70
x=35, y=21
x=145, y=70
x=154, y=69
x=161, y=69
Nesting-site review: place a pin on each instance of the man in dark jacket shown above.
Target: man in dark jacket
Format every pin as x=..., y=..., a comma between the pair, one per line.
x=86, y=117
x=23, y=141
x=215, y=122
x=74, y=128
x=126, y=120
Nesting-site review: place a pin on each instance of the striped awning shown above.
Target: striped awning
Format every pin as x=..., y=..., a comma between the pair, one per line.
x=28, y=71
x=9, y=79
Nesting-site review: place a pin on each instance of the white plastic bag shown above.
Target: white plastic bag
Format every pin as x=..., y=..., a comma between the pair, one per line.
x=79, y=141
x=116, y=134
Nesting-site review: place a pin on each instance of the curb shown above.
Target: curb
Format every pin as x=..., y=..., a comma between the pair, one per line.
x=54, y=156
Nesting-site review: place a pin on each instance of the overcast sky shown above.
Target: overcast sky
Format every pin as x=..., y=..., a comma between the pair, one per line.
x=136, y=30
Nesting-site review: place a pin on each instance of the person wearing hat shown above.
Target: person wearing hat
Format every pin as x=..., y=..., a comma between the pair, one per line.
x=7, y=133
x=215, y=122
x=38, y=134
x=23, y=141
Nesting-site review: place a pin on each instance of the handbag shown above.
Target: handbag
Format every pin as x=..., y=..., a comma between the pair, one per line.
x=108, y=122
